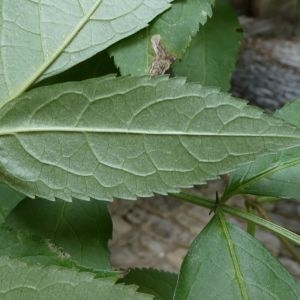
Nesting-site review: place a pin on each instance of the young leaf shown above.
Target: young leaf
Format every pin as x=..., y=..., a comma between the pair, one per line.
x=21, y=281
x=43, y=38
x=275, y=175
x=79, y=229
x=9, y=199
x=157, y=283
x=211, y=57
x=129, y=137
x=225, y=260
x=176, y=27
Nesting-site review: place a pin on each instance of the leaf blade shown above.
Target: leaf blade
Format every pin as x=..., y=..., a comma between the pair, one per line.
x=68, y=140
x=52, y=37
x=217, y=250
x=276, y=175
x=212, y=53
x=176, y=27
x=80, y=229
x=160, y=284
x=37, y=282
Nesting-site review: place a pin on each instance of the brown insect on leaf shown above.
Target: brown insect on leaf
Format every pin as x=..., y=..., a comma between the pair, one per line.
x=162, y=61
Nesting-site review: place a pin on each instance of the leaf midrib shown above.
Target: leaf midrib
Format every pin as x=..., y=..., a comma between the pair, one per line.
x=137, y=132
x=233, y=255
x=55, y=55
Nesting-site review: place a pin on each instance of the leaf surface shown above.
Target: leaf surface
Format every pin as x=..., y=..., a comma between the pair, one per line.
x=79, y=229
x=158, y=283
x=30, y=248
x=226, y=261
x=275, y=175
x=129, y=137
x=37, y=282
x=176, y=27
x=9, y=199
x=211, y=56
x=42, y=38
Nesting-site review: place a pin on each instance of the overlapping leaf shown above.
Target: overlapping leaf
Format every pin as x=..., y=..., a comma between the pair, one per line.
x=79, y=230
x=225, y=261
x=176, y=27
x=21, y=281
x=43, y=38
x=211, y=56
x=128, y=137
x=9, y=198
x=30, y=248
x=276, y=175
x=160, y=284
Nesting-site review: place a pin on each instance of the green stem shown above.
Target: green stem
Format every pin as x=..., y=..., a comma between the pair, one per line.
x=276, y=229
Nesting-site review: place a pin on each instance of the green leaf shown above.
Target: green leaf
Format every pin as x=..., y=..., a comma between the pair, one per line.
x=98, y=65
x=79, y=229
x=9, y=199
x=30, y=248
x=211, y=57
x=225, y=261
x=290, y=112
x=274, y=175
x=21, y=281
x=176, y=27
x=129, y=137
x=40, y=38
x=157, y=283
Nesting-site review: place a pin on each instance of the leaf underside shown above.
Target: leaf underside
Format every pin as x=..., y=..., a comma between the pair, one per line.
x=43, y=38
x=129, y=137
x=274, y=175
x=22, y=281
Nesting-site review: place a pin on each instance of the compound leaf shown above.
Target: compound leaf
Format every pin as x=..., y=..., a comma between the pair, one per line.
x=129, y=137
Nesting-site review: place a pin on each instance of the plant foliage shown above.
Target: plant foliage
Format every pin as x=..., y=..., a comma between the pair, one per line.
x=70, y=132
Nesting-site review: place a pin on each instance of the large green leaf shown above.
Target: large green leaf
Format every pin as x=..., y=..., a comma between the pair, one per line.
x=176, y=27
x=128, y=137
x=80, y=229
x=158, y=283
x=21, y=281
x=211, y=57
x=43, y=38
x=225, y=262
x=9, y=198
x=276, y=175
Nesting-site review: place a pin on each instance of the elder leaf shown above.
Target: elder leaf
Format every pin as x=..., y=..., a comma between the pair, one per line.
x=129, y=137
x=42, y=38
